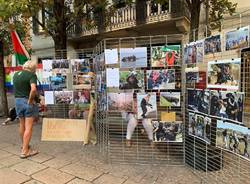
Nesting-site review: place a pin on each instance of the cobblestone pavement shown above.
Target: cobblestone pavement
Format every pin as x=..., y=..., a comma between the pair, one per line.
x=73, y=163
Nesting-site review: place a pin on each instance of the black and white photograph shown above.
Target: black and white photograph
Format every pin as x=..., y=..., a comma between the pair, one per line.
x=167, y=131
x=237, y=39
x=99, y=62
x=120, y=102
x=160, y=79
x=170, y=99
x=64, y=97
x=80, y=65
x=198, y=100
x=227, y=105
x=233, y=138
x=146, y=106
x=60, y=64
x=131, y=79
x=212, y=44
x=133, y=57
x=194, y=52
x=192, y=77
x=224, y=74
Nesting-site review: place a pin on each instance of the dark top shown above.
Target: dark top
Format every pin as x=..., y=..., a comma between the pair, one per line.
x=21, y=83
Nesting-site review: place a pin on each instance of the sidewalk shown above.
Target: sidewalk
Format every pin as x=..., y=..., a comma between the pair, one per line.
x=72, y=163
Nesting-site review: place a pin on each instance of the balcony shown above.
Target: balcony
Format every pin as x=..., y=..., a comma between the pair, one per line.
x=127, y=19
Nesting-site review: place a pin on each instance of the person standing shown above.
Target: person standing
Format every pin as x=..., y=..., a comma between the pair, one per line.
x=144, y=104
x=24, y=83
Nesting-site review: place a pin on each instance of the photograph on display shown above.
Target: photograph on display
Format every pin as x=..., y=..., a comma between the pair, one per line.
x=192, y=77
x=112, y=77
x=224, y=74
x=131, y=79
x=212, y=44
x=47, y=65
x=80, y=65
x=199, y=126
x=57, y=81
x=170, y=99
x=99, y=62
x=194, y=52
x=111, y=56
x=167, y=131
x=161, y=79
x=168, y=55
x=60, y=64
x=198, y=100
x=227, y=105
x=81, y=81
x=120, y=102
x=233, y=138
x=237, y=39
x=64, y=97
x=146, y=106
x=133, y=57
x=82, y=97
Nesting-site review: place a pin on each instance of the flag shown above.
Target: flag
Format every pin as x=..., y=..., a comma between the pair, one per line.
x=20, y=52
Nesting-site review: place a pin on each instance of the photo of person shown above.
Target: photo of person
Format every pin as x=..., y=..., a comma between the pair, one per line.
x=99, y=62
x=77, y=112
x=64, y=97
x=170, y=99
x=227, y=105
x=237, y=39
x=131, y=80
x=60, y=64
x=163, y=56
x=194, y=52
x=120, y=102
x=233, y=138
x=80, y=65
x=167, y=131
x=146, y=106
x=192, y=77
x=198, y=100
x=133, y=57
x=57, y=81
x=81, y=81
x=160, y=79
x=82, y=97
x=191, y=123
x=224, y=74
x=212, y=44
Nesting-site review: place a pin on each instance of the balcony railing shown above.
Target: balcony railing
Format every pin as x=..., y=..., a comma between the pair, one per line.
x=126, y=18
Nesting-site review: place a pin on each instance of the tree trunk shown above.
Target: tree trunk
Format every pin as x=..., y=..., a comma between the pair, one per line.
x=3, y=97
x=195, y=19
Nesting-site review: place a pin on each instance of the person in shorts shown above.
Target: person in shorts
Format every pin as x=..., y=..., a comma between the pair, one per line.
x=24, y=83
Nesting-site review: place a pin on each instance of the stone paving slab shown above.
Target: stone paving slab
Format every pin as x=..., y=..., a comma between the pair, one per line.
x=53, y=176
x=8, y=176
x=107, y=178
x=79, y=181
x=4, y=154
x=16, y=150
x=10, y=161
x=82, y=171
x=28, y=167
x=57, y=163
x=41, y=157
x=4, y=145
x=33, y=182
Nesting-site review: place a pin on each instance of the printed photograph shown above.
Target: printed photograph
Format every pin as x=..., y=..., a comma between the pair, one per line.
x=81, y=81
x=64, y=97
x=227, y=105
x=80, y=65
x=170, y=99
x=131, y=79
x=163, y=56
x=146, y=106
x=82, y=97
x=120, y=102
x=233, y=138
x=194, y=52
x=198, y=100
x=212, y=44
x=237, y=39
x=133, y=57
x=57, y=81
x=167, y=131
x=224, y=74
x=99, y=62
x=60, y=64
x=192, y=77
x=160, y=79
x=111, y=56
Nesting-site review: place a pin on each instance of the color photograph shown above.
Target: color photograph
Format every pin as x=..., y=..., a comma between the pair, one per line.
x=57, y=81
x=120, y=102
x=212, y=44
x=198, y=100
x=192, y=77
x=80, y=65
x=170, y=99
x=237, y=39
x=82, y=97
x=81, y=81
x=133, y=57
x=131, y=80
x=194, y=52
x=233, y=138
x=167, y=131
x=64, y=97
x=163, y=56
x=60, y=64
x=227, y=105
x=224, y=74
x=160, y=79
x=146, y=106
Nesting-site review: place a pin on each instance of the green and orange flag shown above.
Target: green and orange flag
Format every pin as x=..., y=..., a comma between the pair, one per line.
x=19, y=50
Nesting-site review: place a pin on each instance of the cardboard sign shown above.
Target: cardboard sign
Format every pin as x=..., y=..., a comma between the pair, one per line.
x=64, y=129
x=168, y=116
